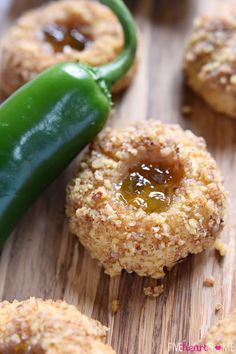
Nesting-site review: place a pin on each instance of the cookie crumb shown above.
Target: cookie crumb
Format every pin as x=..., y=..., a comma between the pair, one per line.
x=115, y=306
x=186, y=110
x=153, y=291
x=221, y=247
x=209, y=281
x=218, y=307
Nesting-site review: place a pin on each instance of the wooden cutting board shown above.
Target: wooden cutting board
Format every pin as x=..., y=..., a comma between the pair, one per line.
x=41, y=259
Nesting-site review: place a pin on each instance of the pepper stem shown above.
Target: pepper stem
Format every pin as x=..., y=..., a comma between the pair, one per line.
x=115, y=70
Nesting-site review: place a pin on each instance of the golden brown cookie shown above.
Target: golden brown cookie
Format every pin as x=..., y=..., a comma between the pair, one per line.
x=222, y=337
x=210, y=62
x=145, y=197
x=61, y=31
x=37, y=326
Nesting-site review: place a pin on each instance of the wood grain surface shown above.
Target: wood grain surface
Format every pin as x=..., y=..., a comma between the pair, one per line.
x=41, y=259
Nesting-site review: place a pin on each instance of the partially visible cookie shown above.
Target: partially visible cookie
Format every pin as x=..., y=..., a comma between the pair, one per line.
x=210, y=62
x=222, y=337
x=60, y=31
x=36, y=326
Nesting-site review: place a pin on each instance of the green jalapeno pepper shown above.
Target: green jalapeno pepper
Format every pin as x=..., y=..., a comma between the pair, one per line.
x=47, y=122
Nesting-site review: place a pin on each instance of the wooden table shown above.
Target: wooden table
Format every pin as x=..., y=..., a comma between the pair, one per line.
x=41, y=259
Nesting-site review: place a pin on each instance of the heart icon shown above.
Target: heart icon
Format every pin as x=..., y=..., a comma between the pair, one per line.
x=218, y=347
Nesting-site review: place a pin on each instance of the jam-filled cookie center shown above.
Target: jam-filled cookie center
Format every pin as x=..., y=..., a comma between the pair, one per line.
x=63, y=37
x=149, y=186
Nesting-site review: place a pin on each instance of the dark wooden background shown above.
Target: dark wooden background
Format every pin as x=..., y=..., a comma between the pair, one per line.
x=42, y=260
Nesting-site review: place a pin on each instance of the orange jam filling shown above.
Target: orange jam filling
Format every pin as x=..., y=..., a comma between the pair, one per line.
x=20, y=348
x=64, y=37
x=149, y=186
